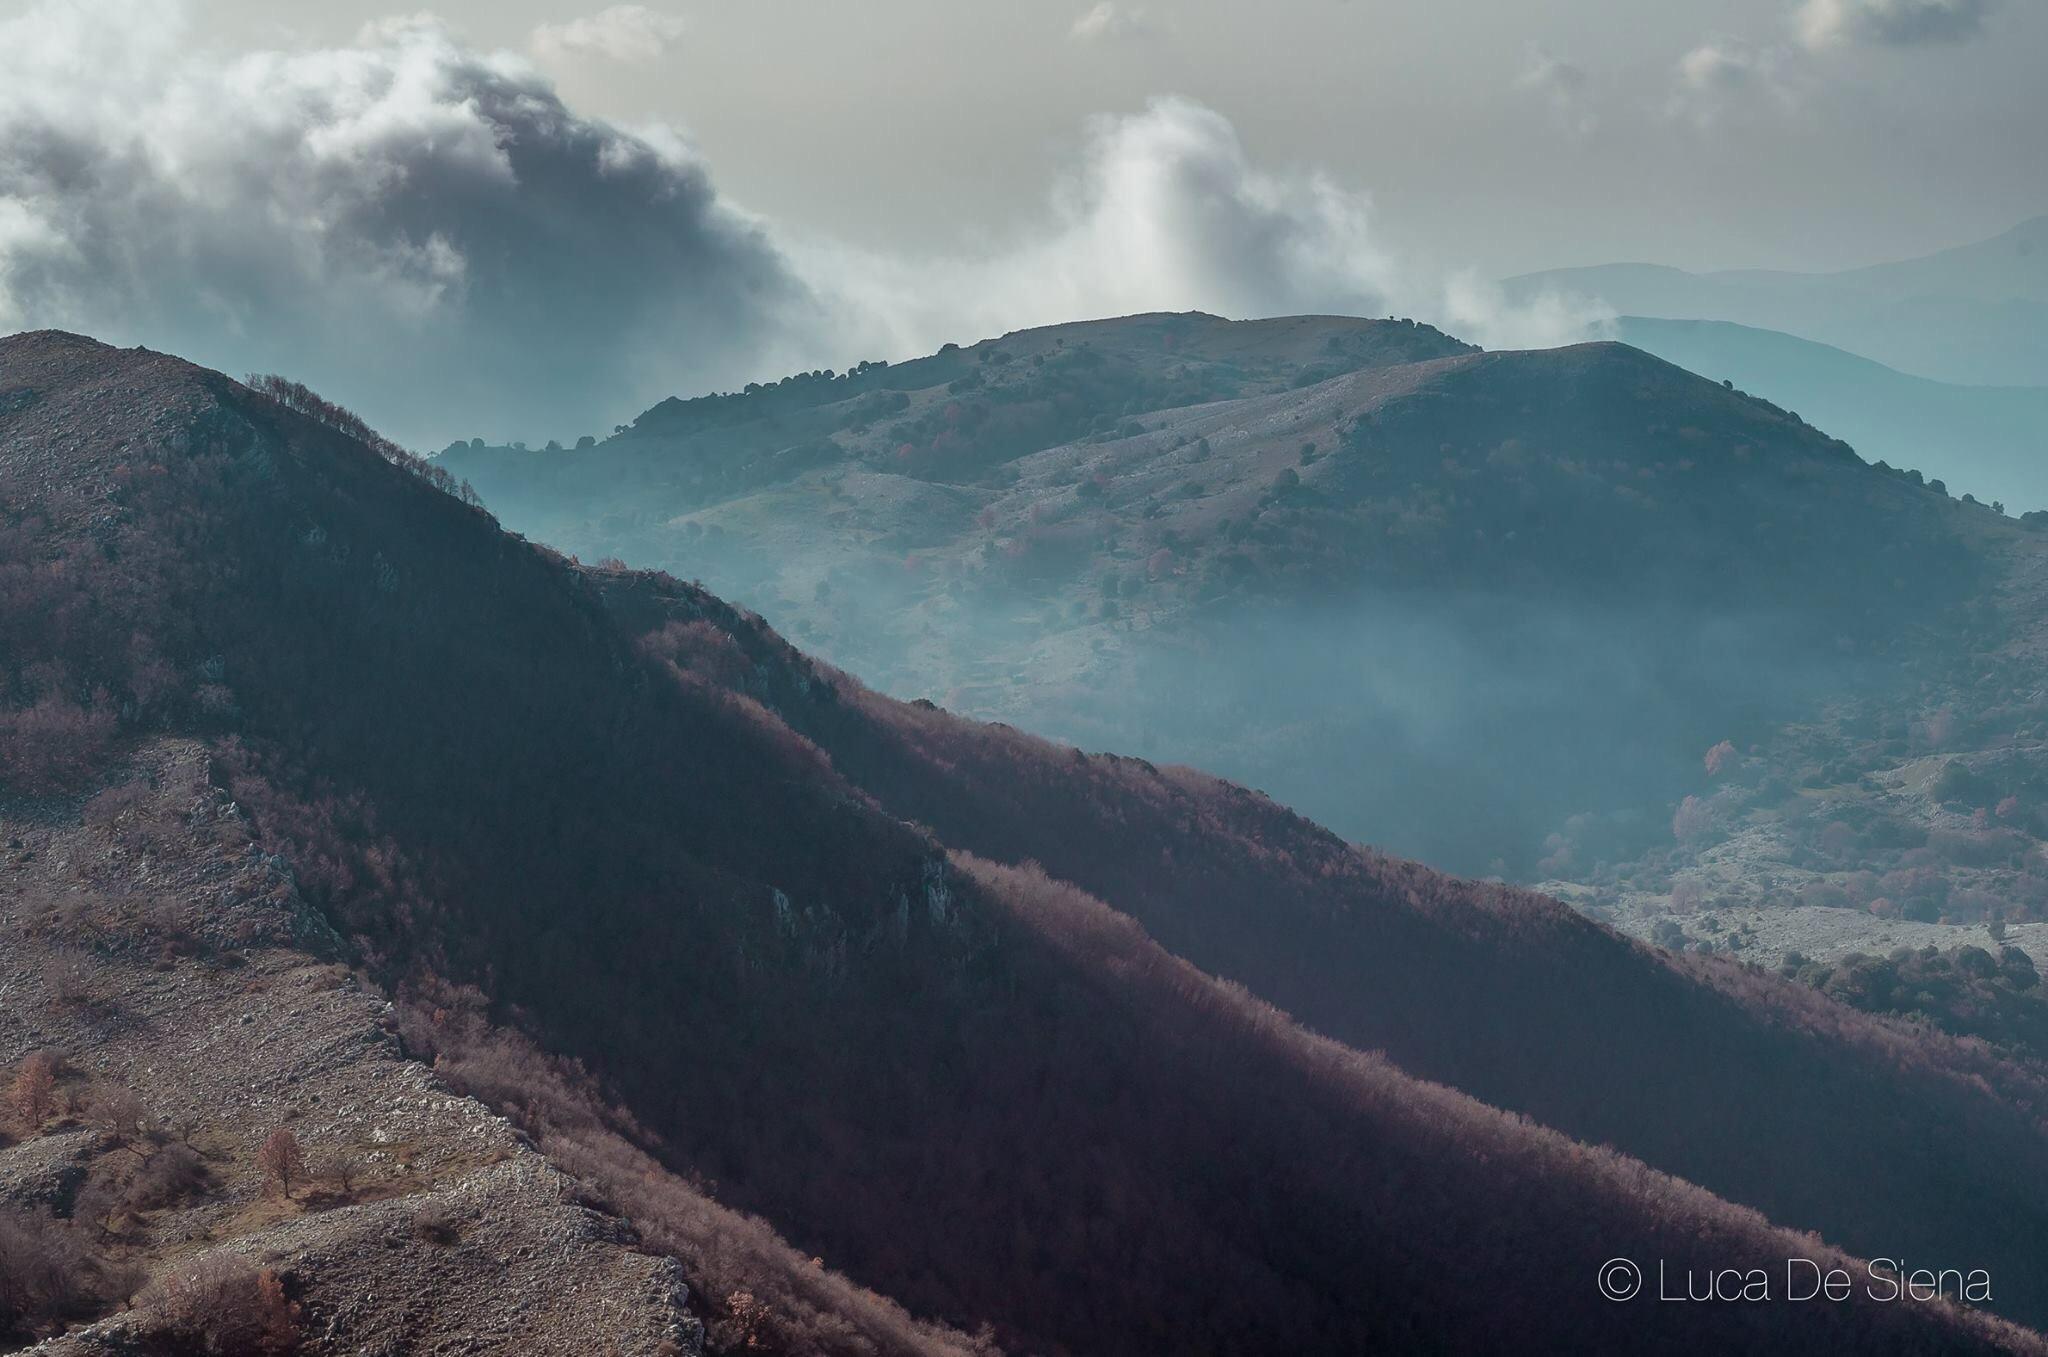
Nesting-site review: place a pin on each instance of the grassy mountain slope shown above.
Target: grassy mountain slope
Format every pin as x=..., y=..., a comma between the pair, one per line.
x=970, y=1086
x=955, y=414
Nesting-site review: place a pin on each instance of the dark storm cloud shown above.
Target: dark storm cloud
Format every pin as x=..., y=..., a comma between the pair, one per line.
x=1892, y=22
x=411, y=224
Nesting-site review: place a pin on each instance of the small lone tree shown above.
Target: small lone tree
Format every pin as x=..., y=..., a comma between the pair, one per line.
x=281, y=1160
x=120, y=1114
x=341, y=1170
x=32, y=1097
x=1719, y=758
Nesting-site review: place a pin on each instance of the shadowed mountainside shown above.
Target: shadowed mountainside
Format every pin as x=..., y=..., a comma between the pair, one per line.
x=1701, y=1067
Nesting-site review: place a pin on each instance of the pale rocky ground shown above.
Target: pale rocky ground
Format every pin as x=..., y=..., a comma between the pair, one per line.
x=456, y=1236
x=1765, y=936
x=1746, y=883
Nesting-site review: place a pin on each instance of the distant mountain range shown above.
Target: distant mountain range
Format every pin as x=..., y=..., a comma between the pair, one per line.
x=977, y=1028
x=1976, y=314
x=1990, y=441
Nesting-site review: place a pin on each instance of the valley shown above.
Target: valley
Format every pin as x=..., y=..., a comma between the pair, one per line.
x=1576, y=618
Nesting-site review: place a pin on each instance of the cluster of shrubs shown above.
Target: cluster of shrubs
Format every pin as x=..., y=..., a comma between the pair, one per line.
x=218, y=1306
x=48, y=1276
x=54, y=740
x=1966, y=991
x=61, y=1264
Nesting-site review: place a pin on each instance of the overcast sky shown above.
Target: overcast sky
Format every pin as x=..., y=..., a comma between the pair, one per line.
x=1507, y=134
x=640, y=199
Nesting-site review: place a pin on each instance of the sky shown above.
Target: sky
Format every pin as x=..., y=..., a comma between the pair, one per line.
x=530, y=217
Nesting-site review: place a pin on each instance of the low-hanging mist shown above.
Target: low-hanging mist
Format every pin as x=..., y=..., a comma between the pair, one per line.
x=1490, y=610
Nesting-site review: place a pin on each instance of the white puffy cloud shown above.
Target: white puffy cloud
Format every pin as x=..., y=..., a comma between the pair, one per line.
x=1167, y=212
x=1724, y=74
x=428, y=234
x=1825, y=23
x=1108, y=21
x=1721, y=65
x=621, y=33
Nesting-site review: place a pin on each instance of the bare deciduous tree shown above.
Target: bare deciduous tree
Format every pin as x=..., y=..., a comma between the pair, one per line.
x=118, y=1111
x=32, y=1097
x=340, y=1169
x=281, y=1160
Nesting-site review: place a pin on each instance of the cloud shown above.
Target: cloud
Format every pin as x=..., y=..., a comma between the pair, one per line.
x=621, y=33
x=1724, y=73
x=1897, y=23
x=416, y=228
x=1167, y=212
x=1108, y=22
x=1564, y=87
x=1721, y=66
x=1478, y=309
x=428, y=234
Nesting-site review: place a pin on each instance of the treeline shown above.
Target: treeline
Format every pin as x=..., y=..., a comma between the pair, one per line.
x=298, y=396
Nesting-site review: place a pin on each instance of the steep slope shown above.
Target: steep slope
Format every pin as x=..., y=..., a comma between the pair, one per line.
x=1984, y=440
x=966, y=1084
x=1700, y=1067
x=1976, y=314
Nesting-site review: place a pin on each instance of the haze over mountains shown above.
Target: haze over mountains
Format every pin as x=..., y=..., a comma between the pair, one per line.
x=1939, y=362
x=575, y=812
x=1984, y=440
x=1976, y=314
x=1490, y=610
